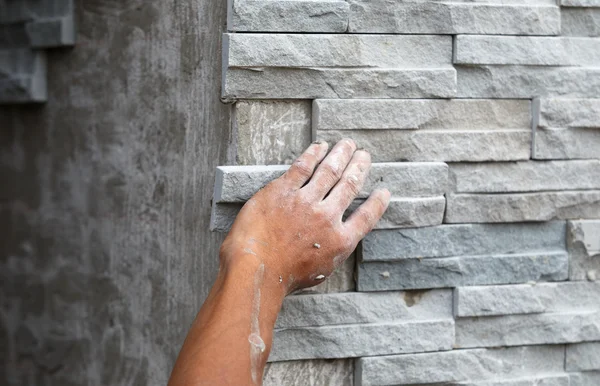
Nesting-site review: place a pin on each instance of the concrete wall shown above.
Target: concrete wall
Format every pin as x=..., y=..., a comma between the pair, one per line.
x=105, y=253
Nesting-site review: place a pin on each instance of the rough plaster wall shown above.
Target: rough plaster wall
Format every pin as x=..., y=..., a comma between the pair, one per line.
x=105, y=253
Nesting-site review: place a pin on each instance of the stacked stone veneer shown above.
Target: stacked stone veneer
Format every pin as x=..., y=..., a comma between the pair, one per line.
x=482, y=119
x=27, y=29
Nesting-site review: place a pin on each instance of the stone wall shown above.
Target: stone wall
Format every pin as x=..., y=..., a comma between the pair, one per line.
x=483, y=120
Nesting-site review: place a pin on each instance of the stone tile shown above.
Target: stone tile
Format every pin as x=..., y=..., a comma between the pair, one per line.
x=459, y=365
x=355, y=308
x=408, y=179
x=438, y=145
x=519, y=207
x=517, y=330
x=583, y=242
x=287, y=16
x=462, y=271
x=590, y=378
x=338, y=372
x=580, y=22
x=271, y=132
x=323, y=50
x=504, y=177
x=526, y=50
x=583, y=357
x=313, y=83
x=452, y=240
x=380, y=16
x=413, y=114
x=527, y=81
x=357, y=340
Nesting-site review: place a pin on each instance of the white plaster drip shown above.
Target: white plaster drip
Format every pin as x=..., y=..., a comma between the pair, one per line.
x=257, y=345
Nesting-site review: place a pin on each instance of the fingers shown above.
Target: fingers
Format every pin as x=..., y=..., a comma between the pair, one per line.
x=366, y=216
x=351, y=182
x=302, y=169
x=330, y=170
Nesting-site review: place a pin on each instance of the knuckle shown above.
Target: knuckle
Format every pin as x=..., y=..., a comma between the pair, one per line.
x=303, y=168
x=352, y=185
x=366, y=216
x=332, y=171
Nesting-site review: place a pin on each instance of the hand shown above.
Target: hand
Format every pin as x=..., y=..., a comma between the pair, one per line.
x=293, y=226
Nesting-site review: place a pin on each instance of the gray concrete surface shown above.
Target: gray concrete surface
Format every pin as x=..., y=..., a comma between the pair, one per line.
x=105, y=254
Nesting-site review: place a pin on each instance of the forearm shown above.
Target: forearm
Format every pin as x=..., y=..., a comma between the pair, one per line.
x=230, y=340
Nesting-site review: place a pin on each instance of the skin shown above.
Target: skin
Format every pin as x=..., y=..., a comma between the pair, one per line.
x=271, y=252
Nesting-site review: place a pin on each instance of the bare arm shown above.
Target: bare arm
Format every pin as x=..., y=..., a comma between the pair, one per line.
x=290, y=235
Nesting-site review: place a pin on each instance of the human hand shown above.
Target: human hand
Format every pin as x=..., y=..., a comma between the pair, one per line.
x=293, y=227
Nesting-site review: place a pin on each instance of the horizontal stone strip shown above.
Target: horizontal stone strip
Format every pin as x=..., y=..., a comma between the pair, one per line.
x=313, y=83
x=504, y=177
x=580, y=22
x=357, y=340
x=517, y=330
x=580, y=3
x=519, y=207
x=316, y=371
x=538, y=380
x=355, y=308
x=541, y=297
x=379, y=16
x=568, y=113
x=462, y=271
x=541, y=51
x=402, y=212
x=591, y=378
x=566, y=144
x=408, y=179
x=583, y=239
x=527, y=81
x=453, y=240
x=322, y=50
x=583, y=357
x=287, y=16
x=459, y=365
x=438, y=145
x=412, y=114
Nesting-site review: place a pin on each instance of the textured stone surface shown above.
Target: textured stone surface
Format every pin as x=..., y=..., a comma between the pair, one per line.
x=271, y=132
x=459, y=365
x=239, y=183
x=411, y=212
x=532, y=298
x=354, y=308
x=462, y=271
x=583, y=357
x=463, y=240
x=362, y=339
x=457, y=114
x=580, y=3
x=517, y=207
x=496, y=300
x=452, y=18
x=527, y=81
x=516, y=330
x=525, y=176
x=583, y=242
x=590, y=378
x=402, y=212
x=338, y=372
x=22, y=76
x=312, y=83
x=55, y=32
x=438, y=145
x=287, y=16
x=319, y=50
x=541, y=51
x=568, y=113
x=538, y=380
x=580, y=22
x=566, y=143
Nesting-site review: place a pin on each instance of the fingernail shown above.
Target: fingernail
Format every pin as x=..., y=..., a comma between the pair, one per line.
x=319, y=143
x=362, y=149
